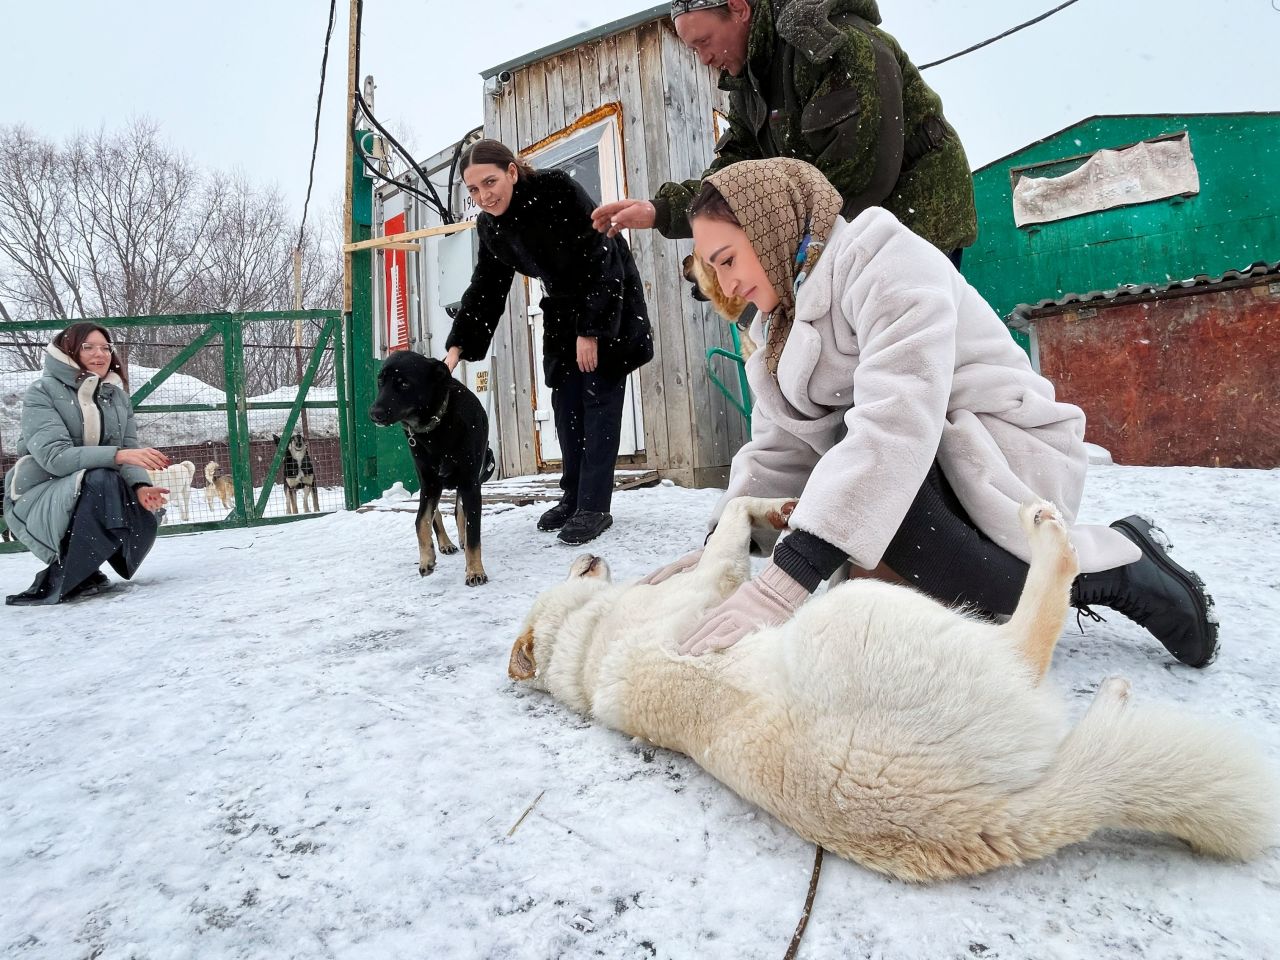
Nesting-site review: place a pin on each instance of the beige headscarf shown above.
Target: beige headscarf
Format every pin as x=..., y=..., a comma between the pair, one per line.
x=779, y=202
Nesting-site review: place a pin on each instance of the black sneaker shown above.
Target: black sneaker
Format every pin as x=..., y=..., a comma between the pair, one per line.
x=585, y=525
x=1155, y=593
x=556, y=517
x=96, y=582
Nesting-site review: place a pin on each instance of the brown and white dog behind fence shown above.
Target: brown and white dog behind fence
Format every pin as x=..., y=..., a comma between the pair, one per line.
x=218, y=485
x=888, y=728
x=176, y=478
x=707, y=288
x=298, y=473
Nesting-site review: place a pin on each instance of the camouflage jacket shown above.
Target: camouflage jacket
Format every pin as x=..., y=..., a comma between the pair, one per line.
x=824, y=84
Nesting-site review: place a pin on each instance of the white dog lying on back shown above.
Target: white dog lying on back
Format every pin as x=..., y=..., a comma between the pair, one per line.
x=887, y=728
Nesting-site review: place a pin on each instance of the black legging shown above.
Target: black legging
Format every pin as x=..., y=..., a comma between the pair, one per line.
x=940, y=551
x=109, y=525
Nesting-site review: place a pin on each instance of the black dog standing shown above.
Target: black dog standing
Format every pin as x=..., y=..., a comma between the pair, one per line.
x=298, y=473
x=448, y=433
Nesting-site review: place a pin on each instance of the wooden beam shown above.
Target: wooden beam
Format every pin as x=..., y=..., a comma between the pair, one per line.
x=396, y=238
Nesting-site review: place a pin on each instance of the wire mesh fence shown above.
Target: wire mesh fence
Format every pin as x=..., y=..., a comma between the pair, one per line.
x=245, y=406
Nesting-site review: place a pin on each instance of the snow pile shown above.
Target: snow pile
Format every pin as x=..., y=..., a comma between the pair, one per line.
x=178, y=429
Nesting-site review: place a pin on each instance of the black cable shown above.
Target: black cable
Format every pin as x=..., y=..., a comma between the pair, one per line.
x=979, y=46
x=315, y=142
x=453, y=166
x=408, y=188
x=359, y=106
x=440, y=207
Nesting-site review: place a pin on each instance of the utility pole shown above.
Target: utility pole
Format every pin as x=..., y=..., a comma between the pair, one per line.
x=352, y=80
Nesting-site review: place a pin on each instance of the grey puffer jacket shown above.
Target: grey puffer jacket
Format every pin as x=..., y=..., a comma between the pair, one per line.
x=72, y=421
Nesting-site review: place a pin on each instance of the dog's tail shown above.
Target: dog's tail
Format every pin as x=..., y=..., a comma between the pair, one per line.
x=1147, y=768
x=490, y=465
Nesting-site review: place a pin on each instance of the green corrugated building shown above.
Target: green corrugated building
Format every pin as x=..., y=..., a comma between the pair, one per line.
x=1230, y=222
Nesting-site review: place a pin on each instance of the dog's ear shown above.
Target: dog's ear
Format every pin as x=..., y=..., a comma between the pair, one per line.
x=522, y=665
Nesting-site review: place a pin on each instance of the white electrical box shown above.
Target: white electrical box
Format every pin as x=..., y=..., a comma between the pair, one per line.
x=456, y=255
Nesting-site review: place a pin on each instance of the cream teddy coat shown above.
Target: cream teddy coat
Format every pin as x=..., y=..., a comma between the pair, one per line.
x=894, y=361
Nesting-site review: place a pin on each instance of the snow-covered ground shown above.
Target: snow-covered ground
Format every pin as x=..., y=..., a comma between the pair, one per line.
x=280, y=742
x=199, y=510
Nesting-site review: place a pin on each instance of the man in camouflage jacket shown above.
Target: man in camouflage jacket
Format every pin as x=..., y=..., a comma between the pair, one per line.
x=818, y=80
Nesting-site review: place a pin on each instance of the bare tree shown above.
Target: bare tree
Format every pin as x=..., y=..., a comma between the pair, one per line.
x=40, y=269
x=120, y=224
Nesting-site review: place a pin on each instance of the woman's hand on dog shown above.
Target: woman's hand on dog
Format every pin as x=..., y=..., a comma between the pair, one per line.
x=153, y=498
x=612, y=218
x=146, y=457
x=763, y=601
x=687, y=562
x=452, y=357
x=588, y=354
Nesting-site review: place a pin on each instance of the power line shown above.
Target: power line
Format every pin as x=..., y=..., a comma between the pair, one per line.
x=979, y=46
x=315, y=142
x=358, y=107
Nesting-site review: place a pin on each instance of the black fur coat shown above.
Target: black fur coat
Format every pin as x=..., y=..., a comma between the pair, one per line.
x=592, y=286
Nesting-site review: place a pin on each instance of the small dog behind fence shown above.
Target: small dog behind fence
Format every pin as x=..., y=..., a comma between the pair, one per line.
x=217, y=485
x=176, y=478
x=298, y=473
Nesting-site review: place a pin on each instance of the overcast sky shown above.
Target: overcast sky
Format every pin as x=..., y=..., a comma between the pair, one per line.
x=233, y=82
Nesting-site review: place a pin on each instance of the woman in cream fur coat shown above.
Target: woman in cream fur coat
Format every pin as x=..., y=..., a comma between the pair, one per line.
x=892, y=402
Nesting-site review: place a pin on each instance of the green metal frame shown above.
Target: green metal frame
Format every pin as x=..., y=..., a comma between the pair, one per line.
x=336, y=329
x=743, y=406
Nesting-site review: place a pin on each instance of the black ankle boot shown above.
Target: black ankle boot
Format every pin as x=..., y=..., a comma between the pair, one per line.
x=585, y=525
x=556, y=517
x=1155, y=593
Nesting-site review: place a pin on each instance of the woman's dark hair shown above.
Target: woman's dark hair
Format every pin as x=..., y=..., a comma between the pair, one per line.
x=70, y=340
x=494, y=152
x=710, y=203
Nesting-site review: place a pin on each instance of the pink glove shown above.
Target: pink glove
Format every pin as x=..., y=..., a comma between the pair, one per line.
x=687, y=562
x=764, y=601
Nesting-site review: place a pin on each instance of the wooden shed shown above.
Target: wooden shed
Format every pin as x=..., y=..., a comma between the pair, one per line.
x=624, y=108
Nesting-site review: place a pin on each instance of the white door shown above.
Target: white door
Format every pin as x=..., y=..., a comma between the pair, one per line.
x=593, y=157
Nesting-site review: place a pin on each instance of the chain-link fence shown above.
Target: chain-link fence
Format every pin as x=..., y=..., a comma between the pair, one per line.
x=246, y=406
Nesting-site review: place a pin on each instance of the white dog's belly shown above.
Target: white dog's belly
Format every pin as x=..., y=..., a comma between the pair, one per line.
x=873, y=705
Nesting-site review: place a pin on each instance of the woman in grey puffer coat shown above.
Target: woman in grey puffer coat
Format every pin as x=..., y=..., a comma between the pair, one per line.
x=79, y=494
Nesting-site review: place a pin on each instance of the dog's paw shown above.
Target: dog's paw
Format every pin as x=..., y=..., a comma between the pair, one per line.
x=448, y=549
x=1116, y=690
x=426, y=569
x=780, y=519
x=475, y=579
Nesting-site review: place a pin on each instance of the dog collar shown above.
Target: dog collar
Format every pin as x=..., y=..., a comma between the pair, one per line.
x=431, y=424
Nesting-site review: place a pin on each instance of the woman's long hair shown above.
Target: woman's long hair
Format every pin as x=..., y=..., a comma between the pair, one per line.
x=70, y=340
x=494, y=152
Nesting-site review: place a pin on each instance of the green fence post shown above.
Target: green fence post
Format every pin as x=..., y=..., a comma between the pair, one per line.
x=346, y=435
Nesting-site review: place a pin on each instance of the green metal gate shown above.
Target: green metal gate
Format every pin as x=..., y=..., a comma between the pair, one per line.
x=190, y=418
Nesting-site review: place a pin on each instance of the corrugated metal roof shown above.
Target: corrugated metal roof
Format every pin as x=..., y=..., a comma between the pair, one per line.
x=599, y=33
x=1024, y=313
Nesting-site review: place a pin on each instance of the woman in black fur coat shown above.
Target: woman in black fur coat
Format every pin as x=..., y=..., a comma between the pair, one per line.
x=595, y=322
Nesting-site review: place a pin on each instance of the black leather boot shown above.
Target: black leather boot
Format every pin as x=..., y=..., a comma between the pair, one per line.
x=556, y=517
x=1155, y=593
x=585, y=525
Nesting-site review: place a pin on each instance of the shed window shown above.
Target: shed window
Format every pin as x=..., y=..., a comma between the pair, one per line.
x=1154, y=169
